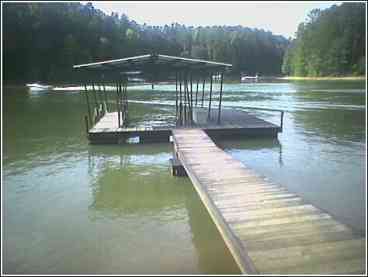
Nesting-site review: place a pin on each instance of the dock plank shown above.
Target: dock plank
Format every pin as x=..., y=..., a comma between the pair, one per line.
x=267, y=228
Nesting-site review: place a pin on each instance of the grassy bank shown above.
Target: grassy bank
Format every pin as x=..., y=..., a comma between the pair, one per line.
x=323, y=78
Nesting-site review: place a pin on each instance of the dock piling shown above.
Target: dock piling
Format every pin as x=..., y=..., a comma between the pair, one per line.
x=209, y=103
x=219, y=107
x=176, y=96
x=88, y=105
x=203, y=87
x=196, y=97
x=191, y=100
x=86, y=122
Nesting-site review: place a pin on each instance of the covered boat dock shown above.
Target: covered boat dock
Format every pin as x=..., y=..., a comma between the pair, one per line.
x=197, y=105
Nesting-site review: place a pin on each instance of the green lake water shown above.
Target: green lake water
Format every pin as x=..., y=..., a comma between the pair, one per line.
x=70, y=207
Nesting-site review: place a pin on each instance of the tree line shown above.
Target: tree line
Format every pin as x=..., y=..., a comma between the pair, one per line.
x=41, y=42
x=330, y=43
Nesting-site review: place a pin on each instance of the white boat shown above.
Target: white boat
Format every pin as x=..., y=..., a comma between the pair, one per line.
x=249, y=78
x=36, y=86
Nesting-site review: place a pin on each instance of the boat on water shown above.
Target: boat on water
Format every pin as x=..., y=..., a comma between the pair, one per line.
x=37, y=86
x=246, y=78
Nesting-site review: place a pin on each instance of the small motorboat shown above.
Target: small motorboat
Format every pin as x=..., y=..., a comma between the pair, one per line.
x=246, y=78
x=36, y=86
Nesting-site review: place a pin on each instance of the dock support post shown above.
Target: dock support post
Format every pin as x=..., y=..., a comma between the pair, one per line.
x=185, y=98
x=191, y=100
x=282, y=120
x=203, y=86
x=126, y=99
x=209, y=104
x=105, y=94
x=196, y=99
x=95, y=96
x=177, y=169
x=88, y=106
x=100, y=99
x=219, y=107
x=99, y=96
x=176, y=96
x=125, y=104
x=86, y=122
x=117, y=102
x=120, y=104
x=186, y=106
x=181, y=100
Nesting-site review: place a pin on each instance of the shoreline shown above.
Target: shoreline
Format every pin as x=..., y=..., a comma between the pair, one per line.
x=288, y=78
x=346, y=78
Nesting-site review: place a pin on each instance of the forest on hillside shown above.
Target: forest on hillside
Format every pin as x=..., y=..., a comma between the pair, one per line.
x=330, y=43
x=41, y=42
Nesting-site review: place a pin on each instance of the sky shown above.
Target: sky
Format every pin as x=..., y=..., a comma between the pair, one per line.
x=281, y=18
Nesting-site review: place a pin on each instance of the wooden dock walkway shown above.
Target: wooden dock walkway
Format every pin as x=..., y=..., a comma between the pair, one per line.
x=266, y=228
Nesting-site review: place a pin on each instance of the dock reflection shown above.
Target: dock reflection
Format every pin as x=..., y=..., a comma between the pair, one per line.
x=135, y=182
x=132, y=180
x=213, y=255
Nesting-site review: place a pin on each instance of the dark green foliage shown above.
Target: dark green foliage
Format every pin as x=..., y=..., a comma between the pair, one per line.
x=330, y=43
x=41, y=42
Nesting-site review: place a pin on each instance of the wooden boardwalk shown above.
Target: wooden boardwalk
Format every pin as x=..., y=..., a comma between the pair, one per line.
x=266, y=228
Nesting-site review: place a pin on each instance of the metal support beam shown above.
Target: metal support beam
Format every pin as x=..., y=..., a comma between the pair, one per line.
x=176, y=95
x=219, y=107
x=191, y=100
x=181, y=100
x=99, y=96
x=102, y=99
x=105, y=94
x=196, y=98
x=117, y=102
x=125, y=103
x=186, y=100
x=121, y=102
x=209, y=103
x=203, y=87
x=94, y=95
x=88, y=106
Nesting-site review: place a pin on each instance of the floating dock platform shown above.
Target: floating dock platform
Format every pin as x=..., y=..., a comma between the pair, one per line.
x=233, y=124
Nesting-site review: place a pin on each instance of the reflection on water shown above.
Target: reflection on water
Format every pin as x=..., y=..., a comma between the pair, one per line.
x=212, y=256
x=128, y=191
x=319, y=158
x=70, y=207
x=336, y=126
x=135, y=174
x=259, y=145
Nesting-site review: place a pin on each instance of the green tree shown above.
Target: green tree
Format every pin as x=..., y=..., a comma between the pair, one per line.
x=330, y=43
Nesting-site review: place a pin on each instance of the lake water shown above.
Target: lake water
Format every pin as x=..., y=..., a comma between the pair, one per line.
x=70, y=207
